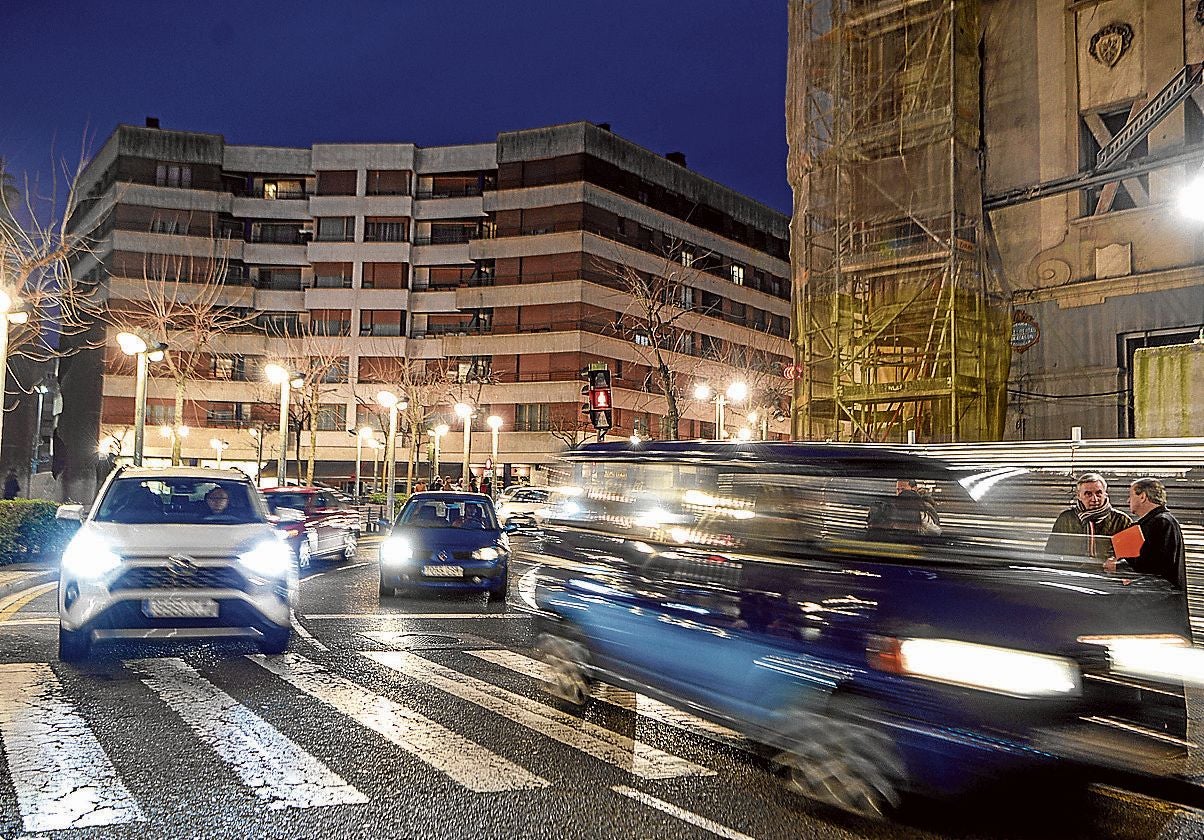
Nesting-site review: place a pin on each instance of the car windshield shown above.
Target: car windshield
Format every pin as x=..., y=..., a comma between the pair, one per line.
x=469, y=514
x=295, y=501
x=179, y=501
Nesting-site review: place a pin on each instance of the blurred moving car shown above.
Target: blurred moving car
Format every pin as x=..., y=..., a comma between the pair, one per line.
x=175, y=553
x=330, y=527
x=520, y=507
x=758, y=585
x=446, y=540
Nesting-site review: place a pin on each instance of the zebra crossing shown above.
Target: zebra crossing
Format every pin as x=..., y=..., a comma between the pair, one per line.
x=64, y=778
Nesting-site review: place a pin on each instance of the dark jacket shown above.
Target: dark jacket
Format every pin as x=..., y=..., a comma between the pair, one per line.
x=1072, y=536
x=12, y=487
x=1163, y=552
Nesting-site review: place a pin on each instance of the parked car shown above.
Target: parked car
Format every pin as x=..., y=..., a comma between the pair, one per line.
x=331, y=525
x=446, y=541
x=519, y=508
x=175, y=553
x=753, y=584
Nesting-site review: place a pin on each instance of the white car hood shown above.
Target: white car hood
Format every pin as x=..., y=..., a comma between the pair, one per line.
x=193, y=540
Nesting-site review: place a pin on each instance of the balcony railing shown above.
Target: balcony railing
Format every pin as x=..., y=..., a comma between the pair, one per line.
x=447, y=237
x=449, y=192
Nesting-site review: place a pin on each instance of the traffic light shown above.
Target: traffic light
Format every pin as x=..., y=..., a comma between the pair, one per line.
x=597, y=393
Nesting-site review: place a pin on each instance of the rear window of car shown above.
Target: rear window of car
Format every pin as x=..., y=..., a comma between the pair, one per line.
x=459, y=513
x=296, y=501
x=180, y=501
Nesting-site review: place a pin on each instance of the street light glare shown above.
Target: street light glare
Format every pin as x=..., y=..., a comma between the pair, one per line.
x=463, y=410
x=6, y=301
x=737, y=391
x=19, y=317
x=1191, y=199
x=276, y=374
x=165, y=431
x=182, y=431
x=495, y=422
x=130, y=344
x=441, y=429
x=702, y=392
x=365, y=432
x=386, y=399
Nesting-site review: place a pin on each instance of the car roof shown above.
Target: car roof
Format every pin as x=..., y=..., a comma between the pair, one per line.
x=449, y=495
x=291, y=489
x=863, y=459
x=183, y=472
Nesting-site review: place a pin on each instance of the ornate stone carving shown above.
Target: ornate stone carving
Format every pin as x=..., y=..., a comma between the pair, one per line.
x=1110, y=43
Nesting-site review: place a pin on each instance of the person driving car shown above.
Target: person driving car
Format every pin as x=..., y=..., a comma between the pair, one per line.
x=216, y=502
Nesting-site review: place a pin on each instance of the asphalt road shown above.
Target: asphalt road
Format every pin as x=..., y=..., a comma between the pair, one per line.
x=414, y=717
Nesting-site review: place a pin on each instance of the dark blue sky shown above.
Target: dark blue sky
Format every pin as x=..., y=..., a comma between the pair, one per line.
x=705, y=77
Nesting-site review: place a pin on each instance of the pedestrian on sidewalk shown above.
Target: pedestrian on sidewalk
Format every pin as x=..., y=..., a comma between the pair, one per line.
x=12, y=487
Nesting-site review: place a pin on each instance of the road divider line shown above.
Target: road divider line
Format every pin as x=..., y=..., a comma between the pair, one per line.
x=465, y=761
x=11, y=605
x=62, y=776
x=681, y=813
x=611, y=747
x=305, y=634
x=273, y=766
x=642, y=705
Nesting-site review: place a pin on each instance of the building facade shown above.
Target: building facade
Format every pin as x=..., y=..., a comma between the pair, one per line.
x=488, y=274
x=961, y=253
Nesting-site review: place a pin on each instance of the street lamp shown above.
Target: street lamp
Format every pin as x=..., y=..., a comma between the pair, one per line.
x=219, y=446
x=375, y=446
x=389, y=400
x=495, y=426
x=257, y=433
x=283, y=377
x=145, y=352
x=365, y=433
x=736, y=392
x=464, y=412
x=437, y=433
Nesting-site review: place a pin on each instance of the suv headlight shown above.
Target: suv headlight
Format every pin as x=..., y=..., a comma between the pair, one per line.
x=88, y=556
x=486, y=553
x=395, y=551
x=1018, y=673
x=270, y=558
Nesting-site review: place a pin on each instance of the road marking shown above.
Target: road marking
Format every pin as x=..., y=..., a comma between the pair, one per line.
x=622, y=698
x=638, y=758
x=681, y=813
x=465, y=761
x=410, y=616
x=275, y=768
x=11, y=605
x=62, y=776
x=305, y=634
x=30, y=621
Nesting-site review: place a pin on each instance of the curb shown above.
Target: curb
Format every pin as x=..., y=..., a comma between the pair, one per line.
x=26, y=581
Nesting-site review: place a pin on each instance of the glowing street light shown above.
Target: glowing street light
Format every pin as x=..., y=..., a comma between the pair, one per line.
x=144, y=352
x=219, y=446
x=282, y=376
x=736, y=392
x=495, y=426
x=464, y=412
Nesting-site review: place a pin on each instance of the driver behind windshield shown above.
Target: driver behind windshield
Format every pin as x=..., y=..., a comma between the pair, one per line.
x=216, y=502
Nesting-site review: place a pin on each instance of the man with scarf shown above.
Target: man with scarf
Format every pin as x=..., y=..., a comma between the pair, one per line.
x=1086, y=528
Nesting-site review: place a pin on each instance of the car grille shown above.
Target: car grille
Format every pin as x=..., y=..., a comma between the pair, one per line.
x=163, y=577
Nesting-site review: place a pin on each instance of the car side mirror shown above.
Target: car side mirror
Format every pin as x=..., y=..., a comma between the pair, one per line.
x=510, y=527
x=75, y=513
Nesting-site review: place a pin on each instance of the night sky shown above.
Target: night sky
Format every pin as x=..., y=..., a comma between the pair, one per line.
x=705, y=77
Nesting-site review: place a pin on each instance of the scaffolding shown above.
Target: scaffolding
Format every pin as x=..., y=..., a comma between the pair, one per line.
x=898, y=326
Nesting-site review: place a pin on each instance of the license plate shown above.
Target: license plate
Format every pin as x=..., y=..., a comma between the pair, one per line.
x=180, y=608
x=443, y=571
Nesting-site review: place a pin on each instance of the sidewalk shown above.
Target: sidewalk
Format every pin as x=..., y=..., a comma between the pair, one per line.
x=20, y=576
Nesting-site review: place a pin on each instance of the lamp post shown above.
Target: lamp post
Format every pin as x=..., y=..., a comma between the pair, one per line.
x=495, y=426
x=11, y=316
x=135, y=345
x=389, y=400
x=42, y=389
x=464, y=412
x=219, y=446
x=375, y=446
x=281, y=376
x=257, y=433
x=365, y=433
x=437, y=433
x=736, y=392
x=174, y=433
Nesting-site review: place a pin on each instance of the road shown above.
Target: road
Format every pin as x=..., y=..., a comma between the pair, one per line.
x=412, y=717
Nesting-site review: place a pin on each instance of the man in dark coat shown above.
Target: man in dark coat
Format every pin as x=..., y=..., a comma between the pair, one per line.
x=1163, y=552
x=12, y=487
x=1085, y=529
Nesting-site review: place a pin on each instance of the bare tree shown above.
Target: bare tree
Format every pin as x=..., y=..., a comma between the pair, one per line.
x=568, y=425
x=185, y=303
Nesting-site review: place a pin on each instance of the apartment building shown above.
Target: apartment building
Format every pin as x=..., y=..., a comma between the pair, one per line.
x=489, y=274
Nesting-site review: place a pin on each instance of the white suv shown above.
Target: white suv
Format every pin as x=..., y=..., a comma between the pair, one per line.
x=176, y=553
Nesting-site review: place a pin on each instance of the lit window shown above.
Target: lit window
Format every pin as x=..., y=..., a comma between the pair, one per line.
x=737, y=272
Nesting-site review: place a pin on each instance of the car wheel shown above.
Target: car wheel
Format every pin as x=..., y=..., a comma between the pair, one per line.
x=567, y=661
x=304, y=555
x=387, y=591
x=350, y=545
x=841, y=762
x=498, y=590
x=74, y=644
x=275, y=640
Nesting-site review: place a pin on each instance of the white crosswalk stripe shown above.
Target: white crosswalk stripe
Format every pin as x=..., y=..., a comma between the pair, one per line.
x=62, y=776
x=276, y=769
x=465, y=761
x=643, y=706
x=636, y=757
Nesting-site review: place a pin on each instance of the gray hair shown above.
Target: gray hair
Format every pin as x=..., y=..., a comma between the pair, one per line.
x=1087, y=478
x=1151, y=488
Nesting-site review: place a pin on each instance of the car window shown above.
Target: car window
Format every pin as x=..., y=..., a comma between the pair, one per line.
x=179, y=501
x=467, y=514
x=296, y=501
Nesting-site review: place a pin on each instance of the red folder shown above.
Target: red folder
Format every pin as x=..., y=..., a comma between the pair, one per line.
x=1127, y=543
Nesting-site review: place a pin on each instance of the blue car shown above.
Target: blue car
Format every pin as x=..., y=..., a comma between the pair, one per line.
x=446, y=541
x=878, y=644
